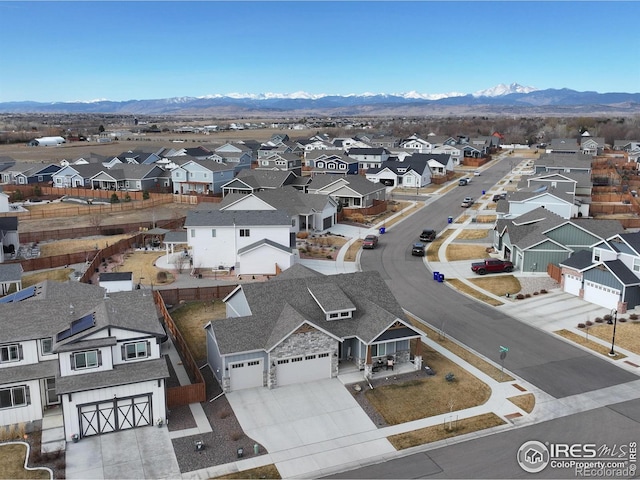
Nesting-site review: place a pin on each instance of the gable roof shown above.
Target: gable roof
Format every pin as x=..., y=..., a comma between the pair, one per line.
x=282, y=304
x=358, y=183
x=265, y=178
x=238, y=218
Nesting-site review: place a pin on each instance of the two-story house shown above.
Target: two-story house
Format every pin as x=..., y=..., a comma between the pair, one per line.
x=259, y=242
x=371, y=157
x=94, y=356
x=201, y=176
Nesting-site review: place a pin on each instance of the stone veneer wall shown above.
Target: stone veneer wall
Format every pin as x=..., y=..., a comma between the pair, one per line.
x=303, y=343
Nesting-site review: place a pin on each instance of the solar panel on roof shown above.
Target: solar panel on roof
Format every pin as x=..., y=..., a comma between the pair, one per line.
x=77, y=326
x=8, y=298
x=24, y=294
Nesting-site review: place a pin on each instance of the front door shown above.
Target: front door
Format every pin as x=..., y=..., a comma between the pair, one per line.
x=51, y=398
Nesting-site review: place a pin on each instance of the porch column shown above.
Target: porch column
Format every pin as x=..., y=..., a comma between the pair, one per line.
x=418, y=347
x=369, y=361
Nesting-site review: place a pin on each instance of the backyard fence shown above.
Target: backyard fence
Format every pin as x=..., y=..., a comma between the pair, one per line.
x=174, y=296
x=184, y=394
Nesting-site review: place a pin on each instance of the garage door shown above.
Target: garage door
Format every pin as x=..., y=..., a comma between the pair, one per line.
x=572, y=284
x=600, y=295
x=116, y=414
x=327, y=223
x=247, y=374
x=306, y=368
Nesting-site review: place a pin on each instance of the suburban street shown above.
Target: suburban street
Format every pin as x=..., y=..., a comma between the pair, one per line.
x=554, y=366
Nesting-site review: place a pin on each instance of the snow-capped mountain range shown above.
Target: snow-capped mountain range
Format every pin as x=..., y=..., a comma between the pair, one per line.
x=513, y=98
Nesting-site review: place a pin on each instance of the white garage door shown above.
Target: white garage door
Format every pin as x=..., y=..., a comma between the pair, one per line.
x=600, y=295
x=306, y=368
x=572, y=284
x=247, y=374
x=115, y=414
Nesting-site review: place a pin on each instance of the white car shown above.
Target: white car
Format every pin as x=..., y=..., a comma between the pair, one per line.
x=477, y=173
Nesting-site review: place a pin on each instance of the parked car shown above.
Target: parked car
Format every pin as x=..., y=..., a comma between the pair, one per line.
x=467, y=202
x=418, y=249
x=491, y=265
x=464, y=181
x=476, y=173
x=499, y=196
x=428, y=235
x=370, y=241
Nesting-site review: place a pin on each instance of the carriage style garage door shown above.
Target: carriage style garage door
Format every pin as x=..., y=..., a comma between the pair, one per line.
x=247, y=374
x=116, y=414
x=306, y=368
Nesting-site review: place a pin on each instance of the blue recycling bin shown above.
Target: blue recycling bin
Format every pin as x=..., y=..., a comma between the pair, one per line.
x=441, y=277
x=436, y=275
x=382, y=230
x=483, y=192
x=449, y=219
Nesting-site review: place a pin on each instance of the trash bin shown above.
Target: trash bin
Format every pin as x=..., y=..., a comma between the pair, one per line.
x=450, y=220
x=441, y=277
x=382, y=230
x=483, y=192
x=436, y=275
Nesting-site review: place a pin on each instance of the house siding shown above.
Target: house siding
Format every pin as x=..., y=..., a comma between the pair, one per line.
x=602, y=277
x=632, y=296
x=27, y=413
x=541, y=259
x=571, y=236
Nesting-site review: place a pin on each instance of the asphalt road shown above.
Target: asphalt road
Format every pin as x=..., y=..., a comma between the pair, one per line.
x=552, y=365
x=495, y=456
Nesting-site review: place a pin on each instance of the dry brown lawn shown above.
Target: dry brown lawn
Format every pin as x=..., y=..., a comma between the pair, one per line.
x=352, y=251
x=72, y=245
x=465, y=252
x=486, y=218
x=627, y=334
x=415, y=399
x=590, y=344
x=434, y=247
x=60, y=275
x=142, y=265
x=481, y=364
x=446, y=430
x=12, y=464
x=463, y=287
x=472, y=234
x=526, y=402
x=461, y=219
x=190, y=318
x=499, y=285
x=266, y=471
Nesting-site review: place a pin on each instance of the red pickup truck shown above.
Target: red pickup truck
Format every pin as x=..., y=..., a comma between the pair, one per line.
x=491, y=265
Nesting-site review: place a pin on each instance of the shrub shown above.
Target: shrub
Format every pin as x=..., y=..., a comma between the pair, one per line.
x=37, y=191
x=608, y=317
x=450, y=377
x=127, y=197
x=528, y=295
x=599, y=320
x=581, y=325
x=235, y=436
x=543, y=291
x=633, y=316
x=535, y=293
x=622, y=320
x=145, y=195
x=329, y=257
x=17, y=196
x=114, y=198
x=161, y=277
x=588, y=323
x=520, y=296
x=302, y=235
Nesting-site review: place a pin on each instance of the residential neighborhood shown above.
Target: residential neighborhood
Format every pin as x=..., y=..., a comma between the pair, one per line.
x=101, y=354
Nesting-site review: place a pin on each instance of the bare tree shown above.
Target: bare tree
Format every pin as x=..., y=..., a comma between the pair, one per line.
x=96, y=220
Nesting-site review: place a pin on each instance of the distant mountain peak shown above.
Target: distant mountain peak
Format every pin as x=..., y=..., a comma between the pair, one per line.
x=502, y=89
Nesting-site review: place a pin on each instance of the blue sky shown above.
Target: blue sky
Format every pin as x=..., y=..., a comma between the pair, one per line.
x=81, y=51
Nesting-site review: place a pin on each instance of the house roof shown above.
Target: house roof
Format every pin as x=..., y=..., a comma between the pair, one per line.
x=122, y=374
x=286, y=198
x=286, y=301
x=442, y=158
x=239, y=218
x=578, y=260
x=8, y=224
x=10, y=272
x=115, y=276
x=264, y=241
x=176, y=237
x=526, y=230
x=633, y=239
x=366, y=151
x=265, y=178
x=30, y=371
x=356, y=182
x=622, y=272
x=567, y=160
x=600, y=228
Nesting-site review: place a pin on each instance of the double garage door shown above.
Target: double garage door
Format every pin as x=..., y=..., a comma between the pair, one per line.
x=113, y=415
x=301, y=369
x=606, y=297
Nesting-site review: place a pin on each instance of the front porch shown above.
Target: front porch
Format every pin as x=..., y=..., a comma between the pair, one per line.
x=349, y=372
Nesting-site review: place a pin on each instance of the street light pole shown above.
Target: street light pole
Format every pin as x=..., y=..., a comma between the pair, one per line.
x=612, y=353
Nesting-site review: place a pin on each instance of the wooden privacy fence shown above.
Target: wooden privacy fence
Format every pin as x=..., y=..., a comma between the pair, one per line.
x=29, y=190
x=176, y=295
x=184, y=394
x=554, y=272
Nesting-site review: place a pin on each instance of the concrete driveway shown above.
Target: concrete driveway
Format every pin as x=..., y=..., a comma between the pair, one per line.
x=309, y=428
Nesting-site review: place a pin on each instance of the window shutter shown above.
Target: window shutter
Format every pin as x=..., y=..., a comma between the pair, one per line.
x=148, y=348
x=99, y=357
x=73, y=363
x=124, y=352
x=27, y=395
x=20, y=354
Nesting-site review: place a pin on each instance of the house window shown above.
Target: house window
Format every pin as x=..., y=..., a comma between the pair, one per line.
x=356, y=202
x=213, y=233
x=10, y=353
x=46, y=346
x=244, y=232
x=205, y=175
x=345, y=314
x=333, y=315
x=14, y=397
x=331, y=166
x=40, y=178
x=320, y=164
x=379, y=350
x=343, y=166
x=58, y=180
x=636, y=265
x=132, y=351
x=596, y=254
x=177, y=174
x=193, y=233
x=84, y=360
